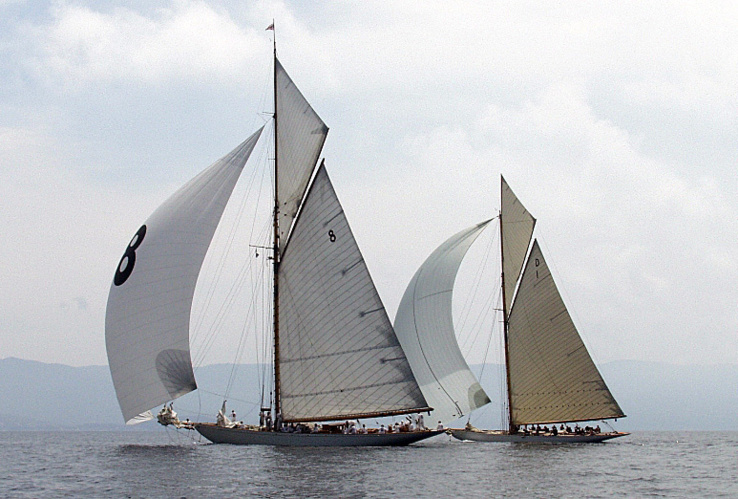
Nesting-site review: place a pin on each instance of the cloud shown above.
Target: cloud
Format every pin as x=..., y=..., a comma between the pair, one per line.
x=614, y=124
x=188, y=39
x=627, y=230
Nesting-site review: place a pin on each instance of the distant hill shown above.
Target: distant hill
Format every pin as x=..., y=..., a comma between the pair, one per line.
x=656, y=396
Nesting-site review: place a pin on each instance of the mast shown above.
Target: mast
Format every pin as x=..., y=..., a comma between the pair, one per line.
x=505, y=325
x=275, y=251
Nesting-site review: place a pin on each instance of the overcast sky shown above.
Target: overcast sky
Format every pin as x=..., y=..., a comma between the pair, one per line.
x=615, y=123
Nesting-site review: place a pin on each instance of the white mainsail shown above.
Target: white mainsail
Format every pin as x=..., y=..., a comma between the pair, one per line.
x=339, y=356
x=552, y=376
x=148, y=311
x=424, y=326
x=517, y=226
x=300, y=138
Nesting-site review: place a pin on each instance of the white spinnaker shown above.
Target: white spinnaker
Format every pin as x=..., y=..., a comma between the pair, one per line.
x=148, y=312
x=300, y=138
x=424, y=326
x=517, y=229
x=552, y=376
x=339, y=356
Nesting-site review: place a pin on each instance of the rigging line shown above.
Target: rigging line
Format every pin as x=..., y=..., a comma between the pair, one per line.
x=483, y=311
x=254, y=304
x=486, y=353
x=222, y=315
x=483, y=315
x=264, y=355
x=477, y=327
x=226, y=305
x=481, y=271
x=263, y=350
x=249, y=402
x=501, y=368
x=241, y=341
x=234, y=227
x=258, y=279
x=225, y=308
x=229, y=244
x=258, y=292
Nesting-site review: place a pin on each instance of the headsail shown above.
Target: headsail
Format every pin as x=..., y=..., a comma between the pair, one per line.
x=148, y=312
x=339, y=356
x=517, y=226
x=424, y=326
x=552, y=376
x=300, y=138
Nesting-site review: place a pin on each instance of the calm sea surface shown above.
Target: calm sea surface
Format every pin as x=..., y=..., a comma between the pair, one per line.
x=166, y=464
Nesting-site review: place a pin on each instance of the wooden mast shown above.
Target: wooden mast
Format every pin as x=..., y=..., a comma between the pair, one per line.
x=505, y=324
x=275, y=253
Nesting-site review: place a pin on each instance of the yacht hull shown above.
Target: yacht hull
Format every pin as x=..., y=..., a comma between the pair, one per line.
x=501, y=436
x=245, y=436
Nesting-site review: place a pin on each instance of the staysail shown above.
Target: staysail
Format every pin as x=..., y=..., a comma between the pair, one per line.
x=339, y=356
x=424, y=326
x=148, y=311
x=300, y=138
x=552, y=376
x=517, y=227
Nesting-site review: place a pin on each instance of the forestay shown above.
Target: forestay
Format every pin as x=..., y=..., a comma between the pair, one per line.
x=300, y=138
x=424, y=326
x=517, y=229
x=552, y=376
x=148, y=312
x=339, y=356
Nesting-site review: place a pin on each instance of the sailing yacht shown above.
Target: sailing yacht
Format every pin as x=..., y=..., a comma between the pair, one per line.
x=550, y=376
x=336, y=355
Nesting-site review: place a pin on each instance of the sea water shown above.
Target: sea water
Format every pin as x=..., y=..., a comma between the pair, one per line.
x=171, y=464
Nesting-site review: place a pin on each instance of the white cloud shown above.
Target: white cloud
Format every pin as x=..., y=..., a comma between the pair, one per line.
x=190, y=39
x=614, y=124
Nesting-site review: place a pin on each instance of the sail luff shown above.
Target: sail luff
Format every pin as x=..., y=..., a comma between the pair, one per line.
x=506, y=343
x=516, y=231
x=276, y=257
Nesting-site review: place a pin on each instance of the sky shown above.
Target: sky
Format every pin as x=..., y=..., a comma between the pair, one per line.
x=615, y=123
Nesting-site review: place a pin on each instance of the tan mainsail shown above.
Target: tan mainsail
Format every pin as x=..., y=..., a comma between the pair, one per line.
x=552, y=376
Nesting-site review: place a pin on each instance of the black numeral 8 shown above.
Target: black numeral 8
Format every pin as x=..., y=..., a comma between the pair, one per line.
x=125, y=267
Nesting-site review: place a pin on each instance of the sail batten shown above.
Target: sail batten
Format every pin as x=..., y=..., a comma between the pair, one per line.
x=424, y=326
x=339, y=355
x=552, y=376
x=148, y=311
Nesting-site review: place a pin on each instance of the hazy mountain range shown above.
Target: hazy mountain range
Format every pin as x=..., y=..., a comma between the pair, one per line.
x=656, y=396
